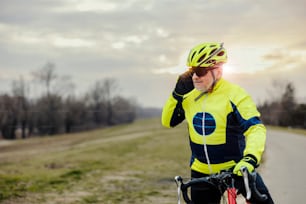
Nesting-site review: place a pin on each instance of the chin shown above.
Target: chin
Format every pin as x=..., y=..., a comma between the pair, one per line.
x=202, y=89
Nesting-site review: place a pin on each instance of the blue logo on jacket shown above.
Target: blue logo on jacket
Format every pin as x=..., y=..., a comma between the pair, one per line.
x=209, y=123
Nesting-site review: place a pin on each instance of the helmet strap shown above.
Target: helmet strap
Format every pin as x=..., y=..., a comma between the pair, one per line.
x=214, y=82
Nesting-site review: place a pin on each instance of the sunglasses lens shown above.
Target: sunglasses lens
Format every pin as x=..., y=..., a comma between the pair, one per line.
x=199, y=71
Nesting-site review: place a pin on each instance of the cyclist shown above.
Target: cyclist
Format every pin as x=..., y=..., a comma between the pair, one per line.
x=225, y=130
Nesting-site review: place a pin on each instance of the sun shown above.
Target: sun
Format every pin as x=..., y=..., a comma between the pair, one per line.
x=228, y=69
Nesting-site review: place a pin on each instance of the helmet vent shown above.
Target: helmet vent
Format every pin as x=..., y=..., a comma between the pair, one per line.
x=202, y=49
x=201, y=58
x=192, y=56
x=211, y=61
x=220, y=53
x=213, y=51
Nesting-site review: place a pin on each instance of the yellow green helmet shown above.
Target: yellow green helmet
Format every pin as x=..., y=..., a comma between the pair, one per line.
x=207, y=55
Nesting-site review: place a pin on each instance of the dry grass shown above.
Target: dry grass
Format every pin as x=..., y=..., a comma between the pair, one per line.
x=124, y=164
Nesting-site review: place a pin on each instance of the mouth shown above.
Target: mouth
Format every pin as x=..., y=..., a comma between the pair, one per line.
x=197, y=81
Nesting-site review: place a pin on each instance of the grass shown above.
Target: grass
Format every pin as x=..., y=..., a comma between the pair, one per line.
x=132, y=163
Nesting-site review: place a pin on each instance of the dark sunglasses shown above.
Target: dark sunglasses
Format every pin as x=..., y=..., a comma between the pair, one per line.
x=200, y=71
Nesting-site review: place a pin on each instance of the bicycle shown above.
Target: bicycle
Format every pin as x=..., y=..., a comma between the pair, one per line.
x=224, y=181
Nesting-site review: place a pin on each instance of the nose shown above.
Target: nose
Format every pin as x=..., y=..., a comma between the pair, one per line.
x=194, y=75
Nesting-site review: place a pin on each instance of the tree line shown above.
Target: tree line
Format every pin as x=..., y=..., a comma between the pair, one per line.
x=57, y=110
x=282, y=109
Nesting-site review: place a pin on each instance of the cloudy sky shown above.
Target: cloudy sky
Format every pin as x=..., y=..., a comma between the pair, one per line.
x=142, y=44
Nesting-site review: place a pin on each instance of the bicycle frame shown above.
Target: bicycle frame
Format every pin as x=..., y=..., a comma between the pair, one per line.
x=231, y=195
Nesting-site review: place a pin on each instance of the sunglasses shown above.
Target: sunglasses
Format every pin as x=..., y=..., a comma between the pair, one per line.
x=200, y=71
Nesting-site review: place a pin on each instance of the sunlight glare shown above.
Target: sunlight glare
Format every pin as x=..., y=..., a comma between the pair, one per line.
x=227, y=69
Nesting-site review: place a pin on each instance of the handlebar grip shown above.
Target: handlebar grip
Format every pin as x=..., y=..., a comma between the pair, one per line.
x=185, y=194
x=184, y=189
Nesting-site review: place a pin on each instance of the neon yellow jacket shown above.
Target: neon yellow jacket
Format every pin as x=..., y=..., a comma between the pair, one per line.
x=223, y=126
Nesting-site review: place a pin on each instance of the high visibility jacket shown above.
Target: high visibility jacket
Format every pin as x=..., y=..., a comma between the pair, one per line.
x=223, y=125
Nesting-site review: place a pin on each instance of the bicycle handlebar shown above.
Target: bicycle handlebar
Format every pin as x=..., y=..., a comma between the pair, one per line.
x=223, y=179
x=250, y=185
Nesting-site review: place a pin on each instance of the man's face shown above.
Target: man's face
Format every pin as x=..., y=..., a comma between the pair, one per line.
x=204, y=83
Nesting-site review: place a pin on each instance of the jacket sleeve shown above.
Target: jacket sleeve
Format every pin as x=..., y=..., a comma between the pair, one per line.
x=173, y=112
x=253, y=129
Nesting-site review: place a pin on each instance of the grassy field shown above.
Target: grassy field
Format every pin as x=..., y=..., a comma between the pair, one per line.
x=133, y=163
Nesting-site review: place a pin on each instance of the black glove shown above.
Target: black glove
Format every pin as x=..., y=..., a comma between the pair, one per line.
x=183, y=85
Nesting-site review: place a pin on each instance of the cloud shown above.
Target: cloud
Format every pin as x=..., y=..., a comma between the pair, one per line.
x=274, y=56
x=144, y=43
x=37, y=39
x=87, y=6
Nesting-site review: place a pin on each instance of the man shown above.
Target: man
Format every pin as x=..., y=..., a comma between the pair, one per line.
x=223, y=122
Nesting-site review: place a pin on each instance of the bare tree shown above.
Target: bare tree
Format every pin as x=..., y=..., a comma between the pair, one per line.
x=288, y=104
x=280, y=107
x=299, y=116
x=64, y=86
x=96, y=103
x=51, y=110
x=50, y=116
x=110, y=88
x=100, y=98
x=76, y=117
x=8, y=120
x=44, y=117
x=46, y=75
x=20, y=92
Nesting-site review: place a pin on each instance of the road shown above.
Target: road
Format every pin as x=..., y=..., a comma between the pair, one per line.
x=284, y=169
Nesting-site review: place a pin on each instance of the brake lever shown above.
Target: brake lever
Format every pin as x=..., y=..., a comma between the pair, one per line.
x=178, y=181
x=245, y=174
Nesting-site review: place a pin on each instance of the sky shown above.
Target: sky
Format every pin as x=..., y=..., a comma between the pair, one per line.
x=143, y=44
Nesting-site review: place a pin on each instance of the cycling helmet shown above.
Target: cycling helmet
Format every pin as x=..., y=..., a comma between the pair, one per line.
x=207, y=55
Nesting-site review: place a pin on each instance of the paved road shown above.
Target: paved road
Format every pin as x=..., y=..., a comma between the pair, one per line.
x=284, y=170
